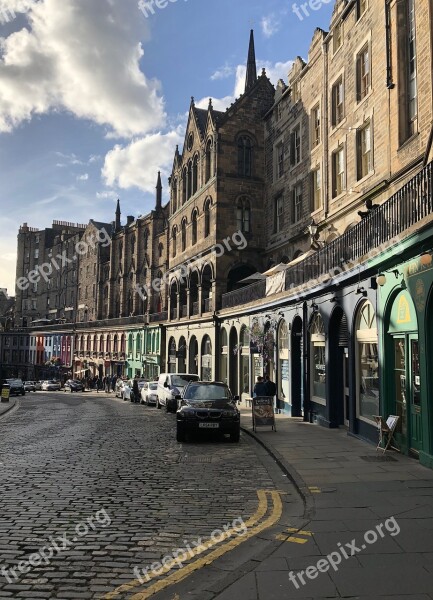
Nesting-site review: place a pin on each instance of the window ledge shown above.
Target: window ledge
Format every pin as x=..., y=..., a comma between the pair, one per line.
x=408, y=141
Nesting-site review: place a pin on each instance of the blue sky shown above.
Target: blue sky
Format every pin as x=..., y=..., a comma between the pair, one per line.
x=94, y=96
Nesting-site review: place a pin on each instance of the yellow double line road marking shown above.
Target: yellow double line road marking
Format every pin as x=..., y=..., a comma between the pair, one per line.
x=254, y=526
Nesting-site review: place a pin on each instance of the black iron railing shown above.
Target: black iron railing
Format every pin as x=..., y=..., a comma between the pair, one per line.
x=405, y=208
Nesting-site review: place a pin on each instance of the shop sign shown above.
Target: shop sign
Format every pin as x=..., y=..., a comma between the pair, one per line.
x=263, y=412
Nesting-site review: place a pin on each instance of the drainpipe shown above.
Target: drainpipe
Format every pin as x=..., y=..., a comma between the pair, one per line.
x=305, y=374
x=326, y=128
x=430, y=139
x=389, y=82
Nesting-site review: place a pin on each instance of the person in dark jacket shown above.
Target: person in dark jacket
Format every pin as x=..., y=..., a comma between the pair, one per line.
x=259, y=388
x=271, y=390
x=135, y=391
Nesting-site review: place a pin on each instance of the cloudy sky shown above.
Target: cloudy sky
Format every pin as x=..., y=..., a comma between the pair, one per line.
x=94, y=96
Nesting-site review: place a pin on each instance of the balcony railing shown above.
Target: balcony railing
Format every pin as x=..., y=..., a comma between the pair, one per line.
x=195, y=308
x=405, y=208
x=247, y=294
x=207, y=305
x=158, y=317
x=184, y=310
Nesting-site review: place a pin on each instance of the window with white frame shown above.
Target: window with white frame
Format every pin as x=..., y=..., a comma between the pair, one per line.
x=280, y=160
x=363, y=78
x=337, y=102
x=364, y=151
x=315, y=126
x=338, y=172
x=337, y=37
x=316, y=189
x=297, y=203
x=295, y=145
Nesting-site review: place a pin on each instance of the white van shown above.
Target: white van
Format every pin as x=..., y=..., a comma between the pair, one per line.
x=171, y=385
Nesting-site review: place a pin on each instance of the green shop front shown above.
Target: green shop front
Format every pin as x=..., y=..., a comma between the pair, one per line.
x=406, y=307
x=144, y=352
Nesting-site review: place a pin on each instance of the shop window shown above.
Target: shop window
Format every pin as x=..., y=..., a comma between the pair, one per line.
x=318, y=362
x=367, y=363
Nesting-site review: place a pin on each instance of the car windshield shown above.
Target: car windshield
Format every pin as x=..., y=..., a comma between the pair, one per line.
x=153, y=386
x=182, y=380
x=207, y=392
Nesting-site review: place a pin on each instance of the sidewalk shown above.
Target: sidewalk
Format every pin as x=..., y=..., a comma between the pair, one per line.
x=381, y=506
x=7, y=406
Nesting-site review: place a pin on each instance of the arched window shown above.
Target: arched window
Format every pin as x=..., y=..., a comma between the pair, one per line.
x=184, y=185
x=208, y=174
x=174, y=241
x=190, y=180
x=101, y=343
x=195, y=175
x=160, y=250
x=207, y=206
x=318, y=363
x=194, y=227
x=115, y=344
x=243, y=215
x=133, y=243
x=146, y=238
x=108, y=344
x=130, y=343
x=245, y=156
x=183, y=235
x=138, y=345
x=174, y=196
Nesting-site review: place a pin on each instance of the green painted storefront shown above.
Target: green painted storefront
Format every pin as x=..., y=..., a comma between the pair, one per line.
x=405, y=321
x=143, y=352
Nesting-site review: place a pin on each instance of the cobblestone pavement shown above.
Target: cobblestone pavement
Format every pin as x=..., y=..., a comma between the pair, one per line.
x=67, y=458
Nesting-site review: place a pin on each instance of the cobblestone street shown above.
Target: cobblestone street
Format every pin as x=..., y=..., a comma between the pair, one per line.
x=67, y=458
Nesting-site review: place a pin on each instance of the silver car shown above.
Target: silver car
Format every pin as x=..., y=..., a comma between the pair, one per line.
x=149, y=393
x=51, y=386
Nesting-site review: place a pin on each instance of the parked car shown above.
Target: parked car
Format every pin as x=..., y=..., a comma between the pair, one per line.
x=73, y=385
x=30, y=386
x=51, y=386
x=149, y=393
x=171, y=385
x=38, y=385
x=208, y=406
x=16, y=387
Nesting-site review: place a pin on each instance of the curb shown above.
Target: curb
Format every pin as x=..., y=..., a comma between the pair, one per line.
x=292, y=474
x=9, y=408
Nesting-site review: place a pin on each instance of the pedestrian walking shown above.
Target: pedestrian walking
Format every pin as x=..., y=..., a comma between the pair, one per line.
x=113, y=382
x=271, y=390
x=135, y=390
x=259, y=388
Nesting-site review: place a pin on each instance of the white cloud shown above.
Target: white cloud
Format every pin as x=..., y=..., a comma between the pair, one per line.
x=223, y=73
x=270, y=25
x=66, y=60
x=274, y=71
x=137, y=164
x=83, y=177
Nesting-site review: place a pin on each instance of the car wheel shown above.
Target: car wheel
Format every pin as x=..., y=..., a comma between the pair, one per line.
x=23, y=393
x=180, y=434
x=235, y=437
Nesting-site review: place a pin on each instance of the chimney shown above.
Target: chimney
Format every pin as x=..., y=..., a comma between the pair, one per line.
x=129, y=219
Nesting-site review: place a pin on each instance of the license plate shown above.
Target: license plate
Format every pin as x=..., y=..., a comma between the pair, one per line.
x=208, y=425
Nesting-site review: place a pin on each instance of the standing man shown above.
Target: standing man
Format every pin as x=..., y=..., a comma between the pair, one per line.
x=271, y=390
x=260, y=387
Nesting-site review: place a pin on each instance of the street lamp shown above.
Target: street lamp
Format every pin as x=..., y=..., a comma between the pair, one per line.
x=313, y=230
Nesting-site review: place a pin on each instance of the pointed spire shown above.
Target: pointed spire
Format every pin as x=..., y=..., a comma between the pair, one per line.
x=117, y=222
x=159, y=192
x=251, y=77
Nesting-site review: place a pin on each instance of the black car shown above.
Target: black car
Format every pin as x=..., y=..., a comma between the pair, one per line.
x=208, y=406
x=73, y=385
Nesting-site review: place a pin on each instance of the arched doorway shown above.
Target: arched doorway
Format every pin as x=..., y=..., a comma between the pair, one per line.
x=297, y=372
x=339, y=400
x=405, y=385
x=181, y=354
x=193, y=356
x=233, y=361
x=206, y=359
